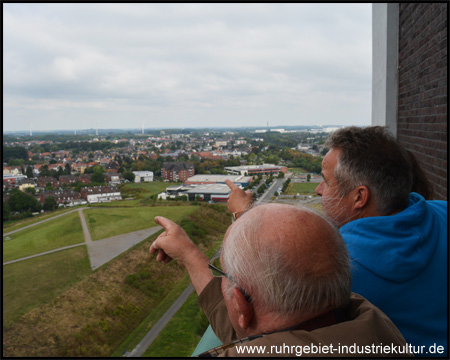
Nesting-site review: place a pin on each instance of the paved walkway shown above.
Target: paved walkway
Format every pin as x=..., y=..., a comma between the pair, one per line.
x=100, y=251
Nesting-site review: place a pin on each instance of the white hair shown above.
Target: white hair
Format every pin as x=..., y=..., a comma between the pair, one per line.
x=276, y=283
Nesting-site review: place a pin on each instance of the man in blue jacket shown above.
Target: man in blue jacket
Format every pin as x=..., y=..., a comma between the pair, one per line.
x=397, y=240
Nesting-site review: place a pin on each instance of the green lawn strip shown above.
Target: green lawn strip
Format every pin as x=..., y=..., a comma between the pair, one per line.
x=17, y=224
x=34, y=282
x=298, y=171
x=149, y=188
x=138, y=334
x=63, y=231
x=306, y=188
x=104, y=223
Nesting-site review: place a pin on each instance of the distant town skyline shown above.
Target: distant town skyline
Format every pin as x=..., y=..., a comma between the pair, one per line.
x=118, y=66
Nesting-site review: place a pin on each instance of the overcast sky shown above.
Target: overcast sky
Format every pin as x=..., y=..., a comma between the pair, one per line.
x=82, y=66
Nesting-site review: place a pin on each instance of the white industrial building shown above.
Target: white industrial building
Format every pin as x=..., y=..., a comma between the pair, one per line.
x=143, y=176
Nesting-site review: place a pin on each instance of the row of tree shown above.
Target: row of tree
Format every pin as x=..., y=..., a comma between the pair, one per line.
x=24, y=204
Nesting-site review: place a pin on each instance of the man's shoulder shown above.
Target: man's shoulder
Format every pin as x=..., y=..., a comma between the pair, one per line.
x=366, y=326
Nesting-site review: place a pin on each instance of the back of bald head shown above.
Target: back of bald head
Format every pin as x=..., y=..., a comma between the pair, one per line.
x=289, y=259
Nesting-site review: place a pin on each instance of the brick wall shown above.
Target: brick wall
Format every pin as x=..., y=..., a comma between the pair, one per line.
x=422, y=93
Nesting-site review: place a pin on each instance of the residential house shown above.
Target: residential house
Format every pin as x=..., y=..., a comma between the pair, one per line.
x=79, y=167
x=113, y=178
x=37, y=169
x=42, y=181
x=62, y=197
x=100, y=194
x=56, y=166
x=68, y=179
x=12, y=170
x=112, y=167
x=85, y=178
x=26, y=183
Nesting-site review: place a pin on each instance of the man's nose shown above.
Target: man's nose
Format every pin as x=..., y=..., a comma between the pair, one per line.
x=319, y=189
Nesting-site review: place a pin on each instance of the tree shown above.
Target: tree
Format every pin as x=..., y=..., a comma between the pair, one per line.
x=30, y=190
x=6, y=211
x=14, y=152
x=98, y=177
x=128, y=175
x=44, y=171
x=29, y=172
x=21, y=202
x=98, y=174
x=308, y=177
x=50, y=204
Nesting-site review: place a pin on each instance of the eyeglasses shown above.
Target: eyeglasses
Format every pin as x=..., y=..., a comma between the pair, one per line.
x=216, y=270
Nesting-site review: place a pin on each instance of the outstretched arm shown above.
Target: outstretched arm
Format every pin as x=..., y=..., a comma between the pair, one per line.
x=174, y=243
x=239, y=200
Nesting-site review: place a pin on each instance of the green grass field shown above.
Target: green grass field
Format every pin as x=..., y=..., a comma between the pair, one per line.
x=104, y=223
x=151, y=187
x=297, y=171
x=17, y=224
x=51, y=235
x=31, y=283
x=306, y=188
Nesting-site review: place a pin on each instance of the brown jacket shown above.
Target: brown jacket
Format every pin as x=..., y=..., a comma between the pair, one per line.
x=369, y=332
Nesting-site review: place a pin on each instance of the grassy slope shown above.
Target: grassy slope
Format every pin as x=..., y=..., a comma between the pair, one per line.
x=29, y=284
x=95, y=316
x=183, y=332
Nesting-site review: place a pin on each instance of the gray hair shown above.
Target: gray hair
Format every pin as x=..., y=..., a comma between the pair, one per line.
x=276, y=283
x=372, y=157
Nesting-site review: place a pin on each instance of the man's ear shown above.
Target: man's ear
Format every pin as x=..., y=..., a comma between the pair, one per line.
x=244, y=309
x=361, y=197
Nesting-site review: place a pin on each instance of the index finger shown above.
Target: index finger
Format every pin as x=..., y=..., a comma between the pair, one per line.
x=164, y=222
x=231, y=185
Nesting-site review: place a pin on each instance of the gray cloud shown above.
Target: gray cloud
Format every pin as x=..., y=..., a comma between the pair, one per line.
x=180, y=65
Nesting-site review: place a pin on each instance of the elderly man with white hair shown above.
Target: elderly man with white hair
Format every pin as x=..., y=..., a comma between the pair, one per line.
x=282, y=283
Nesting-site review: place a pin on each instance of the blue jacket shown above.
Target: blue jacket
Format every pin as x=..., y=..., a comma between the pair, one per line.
x=399, y=263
